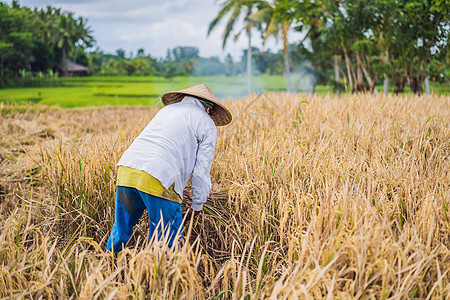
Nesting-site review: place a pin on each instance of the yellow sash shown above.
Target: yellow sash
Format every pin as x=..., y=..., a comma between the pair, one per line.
x=146, y=183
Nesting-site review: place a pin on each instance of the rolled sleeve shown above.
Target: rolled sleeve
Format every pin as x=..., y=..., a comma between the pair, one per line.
x=201, y=178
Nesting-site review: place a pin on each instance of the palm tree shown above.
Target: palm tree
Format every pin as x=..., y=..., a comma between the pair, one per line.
x=237, y=8
x=276, y=23
x=81, y=36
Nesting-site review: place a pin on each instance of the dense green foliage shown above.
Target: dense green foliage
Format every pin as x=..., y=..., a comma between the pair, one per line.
x=34, y=44
x=352, y=45
x=404, y=40
x=365, y=41
x=39, y=41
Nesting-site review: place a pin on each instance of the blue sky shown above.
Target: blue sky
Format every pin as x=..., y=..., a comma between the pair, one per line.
x=155, y=25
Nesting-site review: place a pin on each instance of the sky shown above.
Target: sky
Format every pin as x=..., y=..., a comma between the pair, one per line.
x=156, y=25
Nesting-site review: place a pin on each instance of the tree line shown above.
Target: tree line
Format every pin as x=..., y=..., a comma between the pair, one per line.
x=397, y=41
x=184, y=61
x=353, y=45
x=39, y=40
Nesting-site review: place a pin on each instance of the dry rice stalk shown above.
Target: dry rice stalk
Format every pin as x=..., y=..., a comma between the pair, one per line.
x=313, y=197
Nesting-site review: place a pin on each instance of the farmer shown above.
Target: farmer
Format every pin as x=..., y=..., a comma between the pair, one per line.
x=153, y=171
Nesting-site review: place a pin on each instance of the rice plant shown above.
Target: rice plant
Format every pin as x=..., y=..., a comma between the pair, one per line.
x=313, y=197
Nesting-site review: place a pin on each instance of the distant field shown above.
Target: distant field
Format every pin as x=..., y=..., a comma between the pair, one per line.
x=130, y=90
x=138, y=90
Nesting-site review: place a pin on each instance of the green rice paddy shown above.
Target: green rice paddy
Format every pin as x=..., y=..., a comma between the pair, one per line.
x=130, y=90
x=72, y=92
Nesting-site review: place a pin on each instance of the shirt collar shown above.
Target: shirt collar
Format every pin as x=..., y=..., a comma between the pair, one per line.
x=189, y=99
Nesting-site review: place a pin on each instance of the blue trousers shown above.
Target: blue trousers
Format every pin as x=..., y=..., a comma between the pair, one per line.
x=131, y=204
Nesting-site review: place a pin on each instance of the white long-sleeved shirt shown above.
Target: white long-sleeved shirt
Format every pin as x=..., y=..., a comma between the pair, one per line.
x=178, y=141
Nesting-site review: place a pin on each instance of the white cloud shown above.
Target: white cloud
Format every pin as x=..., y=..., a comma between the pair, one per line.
x=154, y=25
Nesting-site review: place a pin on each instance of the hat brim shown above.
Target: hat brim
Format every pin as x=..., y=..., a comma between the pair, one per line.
x=219, y=113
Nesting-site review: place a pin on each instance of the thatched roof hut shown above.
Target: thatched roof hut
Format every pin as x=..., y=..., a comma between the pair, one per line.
x=72, y=68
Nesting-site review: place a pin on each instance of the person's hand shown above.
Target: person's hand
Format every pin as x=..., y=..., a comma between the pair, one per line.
x=190, y=213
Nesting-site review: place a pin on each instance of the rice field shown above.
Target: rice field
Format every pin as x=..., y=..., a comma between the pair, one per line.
x=71, y=92
x=312, y=197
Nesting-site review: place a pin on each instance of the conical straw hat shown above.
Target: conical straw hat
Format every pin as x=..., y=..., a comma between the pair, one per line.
x=219, y=113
